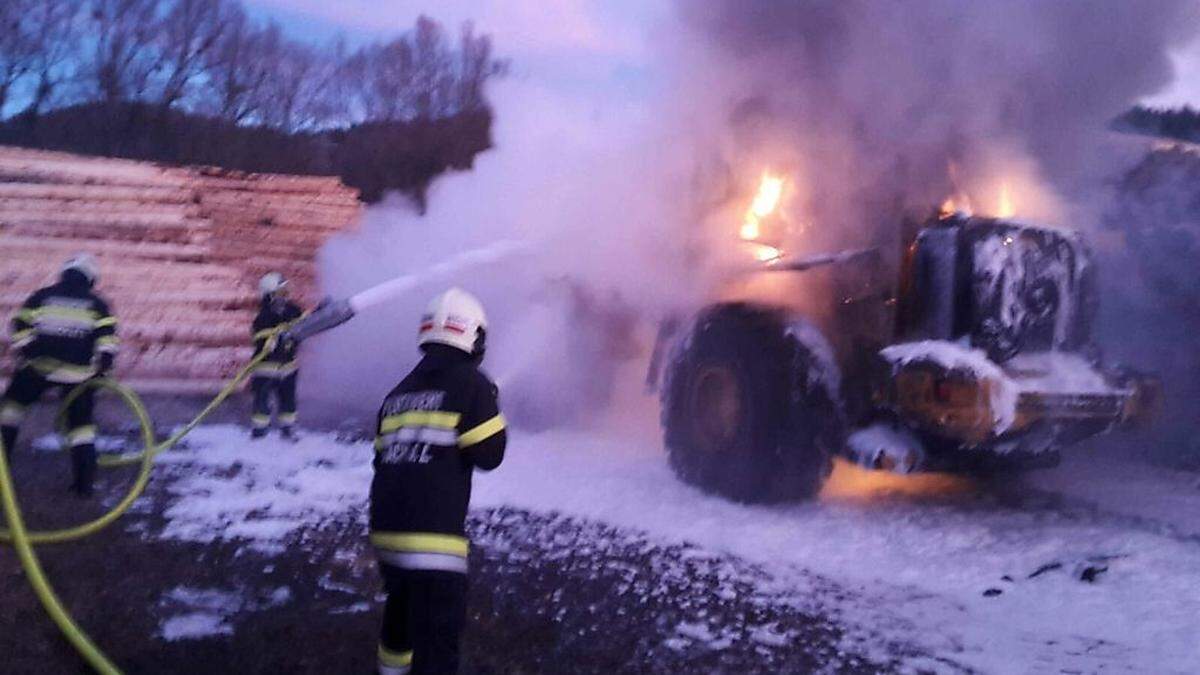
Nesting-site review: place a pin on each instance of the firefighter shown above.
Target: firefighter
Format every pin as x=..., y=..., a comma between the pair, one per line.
x=277, y=373
x=63, y=335
x=435, y=428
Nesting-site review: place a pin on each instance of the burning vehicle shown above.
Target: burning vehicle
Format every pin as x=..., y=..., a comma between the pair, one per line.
x=970, y=351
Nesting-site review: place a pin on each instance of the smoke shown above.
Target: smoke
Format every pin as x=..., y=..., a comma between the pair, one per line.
x=872, y=109
x=908, y=102
x=571, y=179
x=1153, y=311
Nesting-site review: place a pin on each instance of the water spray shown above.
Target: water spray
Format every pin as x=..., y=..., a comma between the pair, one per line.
x=334, y=313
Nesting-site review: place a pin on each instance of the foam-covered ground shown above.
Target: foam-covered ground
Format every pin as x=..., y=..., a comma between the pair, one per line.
x=927, y=572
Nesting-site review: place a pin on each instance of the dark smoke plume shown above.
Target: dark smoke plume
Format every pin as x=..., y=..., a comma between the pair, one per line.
x=879, y=98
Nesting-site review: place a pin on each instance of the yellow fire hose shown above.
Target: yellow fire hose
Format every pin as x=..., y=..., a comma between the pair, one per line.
x=23, y=540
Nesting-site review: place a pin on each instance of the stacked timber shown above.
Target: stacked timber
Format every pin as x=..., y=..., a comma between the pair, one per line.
x=180, y=250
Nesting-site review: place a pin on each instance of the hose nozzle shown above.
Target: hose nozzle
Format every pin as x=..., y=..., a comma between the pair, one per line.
x=327, y=315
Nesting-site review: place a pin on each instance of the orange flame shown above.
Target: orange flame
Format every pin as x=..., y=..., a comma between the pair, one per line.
x=955, y=205
x=850, y=482
x=766, y=200
x=1005, y=209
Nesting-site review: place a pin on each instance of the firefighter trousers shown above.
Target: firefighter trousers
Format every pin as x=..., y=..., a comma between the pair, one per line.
x=422, y=621
x=283, y=389
x=26, y=387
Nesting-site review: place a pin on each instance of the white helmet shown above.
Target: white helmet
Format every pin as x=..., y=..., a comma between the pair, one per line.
x=454, y=318
x=85, y=264
x=271, y=282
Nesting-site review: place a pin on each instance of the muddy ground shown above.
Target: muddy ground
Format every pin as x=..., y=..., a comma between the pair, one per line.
x=549, y=595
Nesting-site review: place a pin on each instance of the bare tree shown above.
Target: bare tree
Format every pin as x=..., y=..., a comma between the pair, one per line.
x=125, y=59
x=476, y=67
x=328, y=104
x=191, y=29
x=207, y=56
x=17, y=51
x=301, y=93
x=432, y=79
x=292, y=67
x=419, y=76
x=54, y=27
x=237, y=69
x=383, y=77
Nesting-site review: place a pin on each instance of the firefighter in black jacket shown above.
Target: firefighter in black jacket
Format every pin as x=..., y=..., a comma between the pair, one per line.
x=277, y=373
x=435, y=428
x=63, y=335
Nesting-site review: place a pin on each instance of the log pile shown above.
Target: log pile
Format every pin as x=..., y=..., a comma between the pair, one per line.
x=180, y=249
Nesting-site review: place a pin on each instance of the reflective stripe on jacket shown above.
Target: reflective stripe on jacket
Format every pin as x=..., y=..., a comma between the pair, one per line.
x=433, y=430
x=61, y=329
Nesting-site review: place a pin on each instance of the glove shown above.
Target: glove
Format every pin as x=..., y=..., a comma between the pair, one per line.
x=105, y=365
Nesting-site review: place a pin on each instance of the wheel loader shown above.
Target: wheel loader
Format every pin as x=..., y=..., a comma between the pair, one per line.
x=971, y=351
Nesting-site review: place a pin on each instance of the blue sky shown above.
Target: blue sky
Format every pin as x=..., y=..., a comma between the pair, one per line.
x=565, y=43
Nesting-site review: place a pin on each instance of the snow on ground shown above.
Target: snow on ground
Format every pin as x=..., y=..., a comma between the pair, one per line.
x=194, y=626
x=926, y=560
x=1153, y=497
x=264, y=492
x=922, y=562
x=206, y=612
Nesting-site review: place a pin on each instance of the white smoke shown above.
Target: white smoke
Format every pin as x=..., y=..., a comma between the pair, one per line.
x=577, y=181
x=873, y=109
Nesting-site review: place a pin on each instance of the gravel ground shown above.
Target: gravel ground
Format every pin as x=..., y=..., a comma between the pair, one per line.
x=549, y=594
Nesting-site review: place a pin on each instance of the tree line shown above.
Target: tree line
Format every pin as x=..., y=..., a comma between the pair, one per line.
x=192, y=81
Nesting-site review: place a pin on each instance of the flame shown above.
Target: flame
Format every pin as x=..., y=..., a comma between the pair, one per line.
x=850, y=482
x=766, y=200
x=955, y=205
x=1006, y=208
x=764, y=253
x=750, y=230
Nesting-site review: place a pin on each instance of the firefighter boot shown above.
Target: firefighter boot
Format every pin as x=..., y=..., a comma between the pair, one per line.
x=257, y=433
x=83, y=460
x=289, y=434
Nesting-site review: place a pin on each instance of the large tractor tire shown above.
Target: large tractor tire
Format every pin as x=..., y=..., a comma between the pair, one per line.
x=750, y=405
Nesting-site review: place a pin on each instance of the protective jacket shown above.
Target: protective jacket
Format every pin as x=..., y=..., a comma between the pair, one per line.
x=281, y=362
x=440, y=424
x=65, y=332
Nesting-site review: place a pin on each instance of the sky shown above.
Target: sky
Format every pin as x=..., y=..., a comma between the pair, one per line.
x=566, y=43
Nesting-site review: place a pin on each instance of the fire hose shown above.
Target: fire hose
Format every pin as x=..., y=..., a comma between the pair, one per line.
x=326, y=316
x=23, y=540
